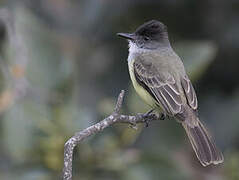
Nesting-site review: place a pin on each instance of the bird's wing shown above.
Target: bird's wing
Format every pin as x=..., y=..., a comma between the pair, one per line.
x=164, y=90
x=189, y=92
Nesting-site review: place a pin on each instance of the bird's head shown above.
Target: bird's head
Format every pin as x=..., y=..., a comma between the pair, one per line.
x=150, y=35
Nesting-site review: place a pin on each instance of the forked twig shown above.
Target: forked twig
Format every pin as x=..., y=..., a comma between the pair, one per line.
x=115, y=117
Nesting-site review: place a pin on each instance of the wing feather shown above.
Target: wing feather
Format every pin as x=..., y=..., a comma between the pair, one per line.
x=164, y=91
x=189, y=92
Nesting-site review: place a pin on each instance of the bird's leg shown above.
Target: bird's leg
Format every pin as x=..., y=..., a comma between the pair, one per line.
x=163, y=116
x=149, y=112
x=148, y=116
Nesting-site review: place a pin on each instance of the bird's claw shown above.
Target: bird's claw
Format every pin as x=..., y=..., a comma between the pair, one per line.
x=148, y=117
x=133, y=126
x=162, y=117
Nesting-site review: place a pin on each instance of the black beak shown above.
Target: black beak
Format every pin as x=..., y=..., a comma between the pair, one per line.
x=128, y=36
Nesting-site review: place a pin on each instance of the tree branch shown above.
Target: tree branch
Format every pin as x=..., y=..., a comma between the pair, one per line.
x=115, y=117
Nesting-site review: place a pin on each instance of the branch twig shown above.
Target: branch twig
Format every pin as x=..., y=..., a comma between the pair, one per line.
x=115, y=117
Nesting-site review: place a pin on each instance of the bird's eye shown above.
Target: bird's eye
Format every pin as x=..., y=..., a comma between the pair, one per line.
x=146, y=38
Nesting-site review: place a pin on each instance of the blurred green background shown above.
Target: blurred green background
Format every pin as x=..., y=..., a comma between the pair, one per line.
x=62, y=68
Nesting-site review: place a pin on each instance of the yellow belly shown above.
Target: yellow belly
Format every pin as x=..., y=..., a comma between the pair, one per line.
x=140, y=90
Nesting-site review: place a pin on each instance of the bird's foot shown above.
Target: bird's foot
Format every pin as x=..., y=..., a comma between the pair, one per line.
x=149, y=116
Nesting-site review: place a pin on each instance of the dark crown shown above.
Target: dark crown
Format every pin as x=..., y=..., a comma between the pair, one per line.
x=150, y=28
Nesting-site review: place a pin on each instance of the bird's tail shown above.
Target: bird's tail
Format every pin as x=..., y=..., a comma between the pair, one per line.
x=202, y=144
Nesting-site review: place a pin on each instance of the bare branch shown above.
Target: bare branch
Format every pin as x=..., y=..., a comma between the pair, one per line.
x=115, y=117
x=119, y=101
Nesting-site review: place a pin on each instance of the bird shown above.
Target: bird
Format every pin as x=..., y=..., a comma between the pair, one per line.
x=159, y=77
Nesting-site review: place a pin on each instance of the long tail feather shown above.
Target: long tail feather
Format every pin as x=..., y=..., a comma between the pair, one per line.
x=204, y=147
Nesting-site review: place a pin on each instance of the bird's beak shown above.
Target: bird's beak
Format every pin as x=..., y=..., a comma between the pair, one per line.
x=129, y=36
